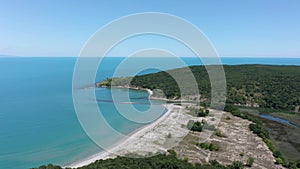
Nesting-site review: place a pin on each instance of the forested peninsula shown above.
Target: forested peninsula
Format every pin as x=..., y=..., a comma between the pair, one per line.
x=268, y=86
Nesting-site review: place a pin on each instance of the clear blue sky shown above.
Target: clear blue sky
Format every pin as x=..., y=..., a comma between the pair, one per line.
x=261, y=28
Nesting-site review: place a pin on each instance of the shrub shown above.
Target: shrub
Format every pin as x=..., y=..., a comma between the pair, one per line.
x=219, y=134
x=237, y=165
x=279, y=161
x=186, y=159
x=210, y=147
x=250, y=162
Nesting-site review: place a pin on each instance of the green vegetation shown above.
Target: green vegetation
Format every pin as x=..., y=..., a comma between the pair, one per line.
x=250, y=162
x=275, y=87
x=283, y=135
x=203, y=113
x=199, y=112
x=210, y=146
x=236, y=112
x=195, y=126
x=269, y=87
x=186, y=159
x=166, y=161
x=237, y=165
x=258, y=129
x=234, y=165
x=219, y=133
x=49, y=166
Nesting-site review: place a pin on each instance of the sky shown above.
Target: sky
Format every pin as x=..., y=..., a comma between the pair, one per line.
x=256, y=28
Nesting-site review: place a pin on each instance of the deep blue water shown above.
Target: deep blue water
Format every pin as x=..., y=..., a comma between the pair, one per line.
x=37, y=119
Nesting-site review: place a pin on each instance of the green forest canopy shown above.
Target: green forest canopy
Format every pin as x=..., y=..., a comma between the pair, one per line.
x=276, y=87
x=169, y=161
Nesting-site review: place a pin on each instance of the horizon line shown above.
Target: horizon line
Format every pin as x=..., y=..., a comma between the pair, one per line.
x=56, y=56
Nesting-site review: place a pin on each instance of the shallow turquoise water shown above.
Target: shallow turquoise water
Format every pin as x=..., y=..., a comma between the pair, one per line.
x=37, y=118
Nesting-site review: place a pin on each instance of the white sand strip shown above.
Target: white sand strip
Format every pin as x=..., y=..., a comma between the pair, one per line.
x=135, y=135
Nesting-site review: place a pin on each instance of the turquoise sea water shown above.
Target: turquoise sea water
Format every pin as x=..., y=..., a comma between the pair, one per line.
x=38, y=123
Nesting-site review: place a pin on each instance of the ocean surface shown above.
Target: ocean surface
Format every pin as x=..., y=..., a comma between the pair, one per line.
x=38, y=123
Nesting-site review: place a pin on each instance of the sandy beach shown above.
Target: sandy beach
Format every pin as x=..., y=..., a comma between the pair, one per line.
x=158, y=137
x=149, y=139
x=135, y=135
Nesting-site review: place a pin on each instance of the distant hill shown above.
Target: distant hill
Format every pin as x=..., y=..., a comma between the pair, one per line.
x=276, y=87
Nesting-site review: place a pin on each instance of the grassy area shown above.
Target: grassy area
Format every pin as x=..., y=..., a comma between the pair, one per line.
x=265, y=110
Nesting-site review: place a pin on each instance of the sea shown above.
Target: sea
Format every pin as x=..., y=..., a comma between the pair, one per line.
x=38, y=122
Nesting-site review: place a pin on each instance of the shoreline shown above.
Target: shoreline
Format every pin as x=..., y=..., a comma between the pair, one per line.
x=105, y=154
x=145, y=89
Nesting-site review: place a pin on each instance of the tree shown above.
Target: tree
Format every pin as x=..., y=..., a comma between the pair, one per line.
x=202, y=113
x=197, y=126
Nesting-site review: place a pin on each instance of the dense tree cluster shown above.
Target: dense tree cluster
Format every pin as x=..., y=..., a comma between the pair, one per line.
x=49, y=166
x=259, y=130
x=166, y=161
x=267, y=86
x=195, y=126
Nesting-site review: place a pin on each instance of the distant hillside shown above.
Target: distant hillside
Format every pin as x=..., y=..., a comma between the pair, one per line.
x=275, y=87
